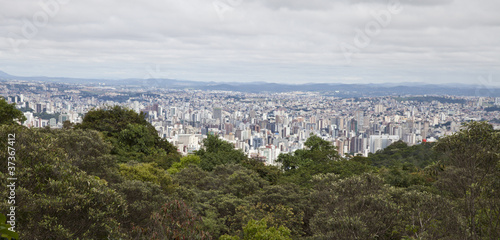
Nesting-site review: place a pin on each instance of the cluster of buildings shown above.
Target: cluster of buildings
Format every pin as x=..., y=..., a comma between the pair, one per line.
x=263, y=125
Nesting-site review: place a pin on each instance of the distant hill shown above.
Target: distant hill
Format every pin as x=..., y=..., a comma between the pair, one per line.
x=335, y=89
x=5, y=75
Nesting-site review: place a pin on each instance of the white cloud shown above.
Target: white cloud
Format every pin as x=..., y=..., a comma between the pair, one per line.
x=269, y=40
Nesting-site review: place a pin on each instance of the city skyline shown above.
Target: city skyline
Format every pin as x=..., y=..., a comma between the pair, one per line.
x=362, y=41
x=262, y=125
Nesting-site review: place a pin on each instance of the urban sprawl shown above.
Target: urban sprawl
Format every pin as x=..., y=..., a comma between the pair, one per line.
x=263, y=125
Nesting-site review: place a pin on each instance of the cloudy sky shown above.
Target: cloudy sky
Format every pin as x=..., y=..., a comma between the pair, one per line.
x=285, y=41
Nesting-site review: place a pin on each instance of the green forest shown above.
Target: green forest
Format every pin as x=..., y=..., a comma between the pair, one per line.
x=112, y=177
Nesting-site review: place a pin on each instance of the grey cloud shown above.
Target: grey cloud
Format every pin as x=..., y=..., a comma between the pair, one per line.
x=253, y=36
x=406, y=2
x=296, y=4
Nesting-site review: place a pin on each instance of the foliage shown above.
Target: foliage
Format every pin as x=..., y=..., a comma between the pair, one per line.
x=184, y=162
x=5, y=229
x=431, y=99
x=112, y=120
x=195, y=178
x=136, y=138
x=419, y=155
x=112, y=177
x=276, y=216
x=318, y=152
x=473, y=164
x=9, y=114
x=492, y=109
x=269, y=173
x=175, y=220
x=319, y=157
x=46, y=116
x=56, y=199
x=243, y=182
x=25, y=109
x=218, y=152
x=88, y=151
x=143, y=198
x=146, y=172
x=216, y=195
x=424, y=215
x=67, y=125
x=404, y=175
x=359, y=207
x=132, y=137
x=258, y=230
x=287, y=196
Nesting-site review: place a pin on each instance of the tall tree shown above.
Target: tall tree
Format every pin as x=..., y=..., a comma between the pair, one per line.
x=473, y=158
x=218, y=152
x=9, y=114
x=174, y=221
x=358, y=207
x=258, y=230
x=131, y=135
x=55, y=198
x=113, y=120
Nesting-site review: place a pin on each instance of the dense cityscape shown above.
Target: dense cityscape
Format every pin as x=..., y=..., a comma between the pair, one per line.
x=250, y=120
x=262, y=125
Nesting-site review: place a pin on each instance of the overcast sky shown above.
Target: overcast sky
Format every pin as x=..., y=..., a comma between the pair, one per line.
x=285, y=41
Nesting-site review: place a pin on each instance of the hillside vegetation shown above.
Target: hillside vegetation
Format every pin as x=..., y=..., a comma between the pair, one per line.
x=112, y=177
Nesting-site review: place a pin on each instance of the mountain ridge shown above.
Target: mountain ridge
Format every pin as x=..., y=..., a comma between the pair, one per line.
x=339, y=89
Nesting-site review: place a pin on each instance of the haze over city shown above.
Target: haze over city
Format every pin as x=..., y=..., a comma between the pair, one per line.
x=358, y=41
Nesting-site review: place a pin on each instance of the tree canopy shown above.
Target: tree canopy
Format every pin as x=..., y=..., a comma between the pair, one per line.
x=9, y=114
x=218, y=152
x=123, y=182
x=132, y=137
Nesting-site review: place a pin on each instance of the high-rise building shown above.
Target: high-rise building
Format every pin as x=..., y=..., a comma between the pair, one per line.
x=378, y=142
x=38, y=108
x=425, y=132
x=173, y=111
x=52, y=122
x=63, y=118
x=257, y=142
x=356, y=145
x=379, y=108
x=218, y=113
x=228, y=127
x=238, y=134
x=29, y=119
x=353, y=127
x=360, y=120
